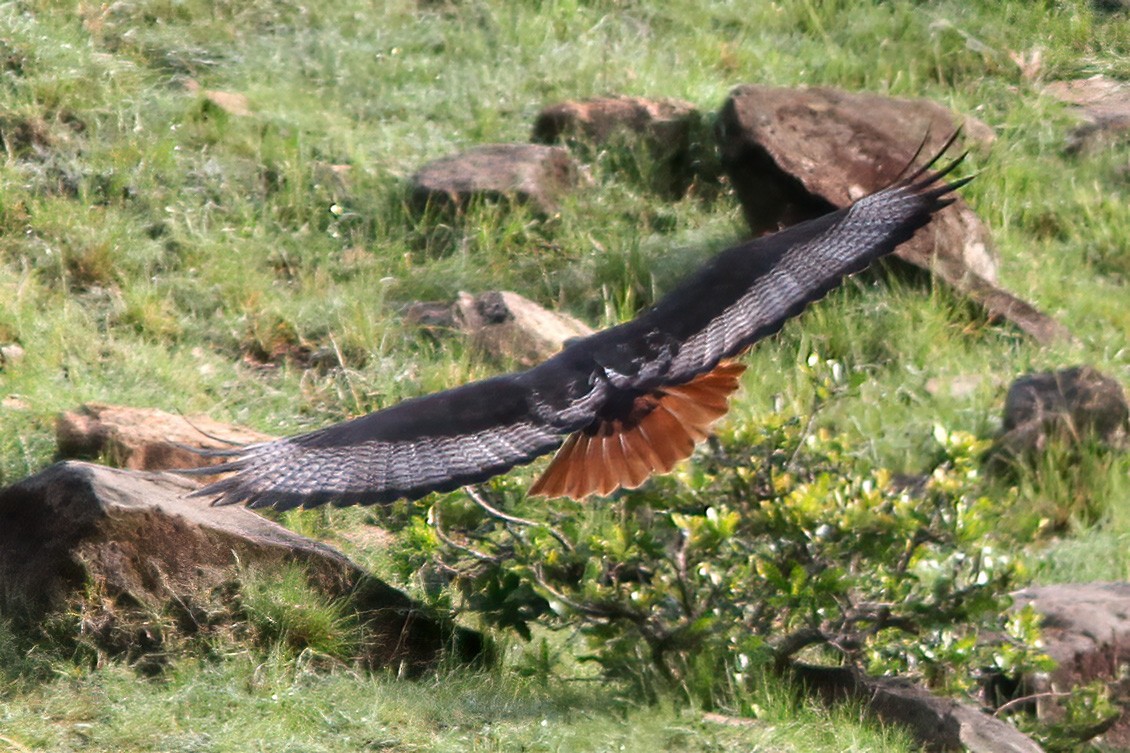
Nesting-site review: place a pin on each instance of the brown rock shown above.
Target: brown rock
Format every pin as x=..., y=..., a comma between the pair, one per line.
x=794, y=154
x=597, y=119
x=505, y=325
x=670, y=129
x=138, y=562
x=233, y=103
x=144, y=439
x=939, y=724
x=1070, y=405
x=1101, y=103
x=525, y=172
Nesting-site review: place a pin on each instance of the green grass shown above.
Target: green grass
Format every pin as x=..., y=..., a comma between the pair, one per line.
x=247, y=704
x=153, y=247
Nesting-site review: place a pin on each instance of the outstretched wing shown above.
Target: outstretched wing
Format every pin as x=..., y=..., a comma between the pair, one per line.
x=748, y=292
x=673, y=358
x=434, y=443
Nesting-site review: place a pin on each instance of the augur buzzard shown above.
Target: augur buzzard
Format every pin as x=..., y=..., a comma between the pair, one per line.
x=622, y=404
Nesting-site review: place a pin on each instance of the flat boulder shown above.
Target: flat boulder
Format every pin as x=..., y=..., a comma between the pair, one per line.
x=530, y=173
x=136, y=563
x=1086, y=630
x=794, y=154
x=937, y=723
x=144, y=439
x=598, y=119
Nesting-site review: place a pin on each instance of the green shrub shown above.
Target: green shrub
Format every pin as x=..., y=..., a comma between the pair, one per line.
x=772, y=547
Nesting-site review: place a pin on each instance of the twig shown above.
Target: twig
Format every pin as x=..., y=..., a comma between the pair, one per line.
x=1025, y=699
x=494, y=512
x=437, y=524
x=588, y=611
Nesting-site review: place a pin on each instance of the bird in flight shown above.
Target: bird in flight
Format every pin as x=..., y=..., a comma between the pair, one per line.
x=618, y=406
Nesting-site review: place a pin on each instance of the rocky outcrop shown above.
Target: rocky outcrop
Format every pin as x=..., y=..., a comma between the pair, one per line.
x=794, y=154
x=136, y=563
x=530, y=173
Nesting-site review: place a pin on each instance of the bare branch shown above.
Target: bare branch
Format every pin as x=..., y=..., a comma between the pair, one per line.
x=494, y=512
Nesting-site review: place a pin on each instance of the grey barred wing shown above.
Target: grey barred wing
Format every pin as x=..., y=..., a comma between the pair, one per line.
x=748, y=292
x=434, y=443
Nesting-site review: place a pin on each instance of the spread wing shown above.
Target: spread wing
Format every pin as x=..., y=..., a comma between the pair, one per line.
x=748, y=292
x=434, y=443
x=635, y=398
x=674, y=356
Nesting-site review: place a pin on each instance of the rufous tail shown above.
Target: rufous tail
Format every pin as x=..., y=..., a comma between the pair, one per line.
x=613, y=454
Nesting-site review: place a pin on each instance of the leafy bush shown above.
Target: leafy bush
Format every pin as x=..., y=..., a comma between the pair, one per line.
x=771, y=547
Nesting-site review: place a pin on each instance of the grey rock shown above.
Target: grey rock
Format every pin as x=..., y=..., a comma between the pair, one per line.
x=1102, y=105
x=1086, y=630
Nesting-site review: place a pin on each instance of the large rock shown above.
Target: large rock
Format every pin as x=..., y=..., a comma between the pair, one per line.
x=599, y=119
x=529, y=173
x=501, y=324
x=939, y=724
x=144, y=439
x=137, y=561
x=1086, y=630
x=1069, y=406
x=794, y=154
x=508, y=326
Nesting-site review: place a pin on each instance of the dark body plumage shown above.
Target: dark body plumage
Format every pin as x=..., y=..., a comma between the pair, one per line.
x=632, y=399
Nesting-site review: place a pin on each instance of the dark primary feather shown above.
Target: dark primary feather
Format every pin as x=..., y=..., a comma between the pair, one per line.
x=471, y=433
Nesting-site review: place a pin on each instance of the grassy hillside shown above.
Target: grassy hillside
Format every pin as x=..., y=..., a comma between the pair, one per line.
x=157, y=250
